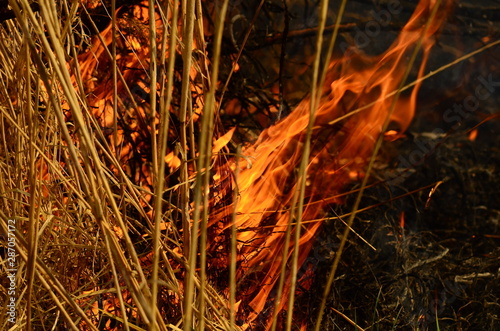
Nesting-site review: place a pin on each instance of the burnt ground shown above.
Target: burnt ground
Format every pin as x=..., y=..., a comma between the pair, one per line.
x=438, y=270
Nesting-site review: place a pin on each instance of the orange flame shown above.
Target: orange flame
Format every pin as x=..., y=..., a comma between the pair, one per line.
x=338, y=150
x=268, y=179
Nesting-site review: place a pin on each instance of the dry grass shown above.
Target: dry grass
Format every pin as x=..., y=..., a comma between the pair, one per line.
x=73, y=225
x=85, y=226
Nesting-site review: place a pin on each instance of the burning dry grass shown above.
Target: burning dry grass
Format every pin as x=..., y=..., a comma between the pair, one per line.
x=108, y=138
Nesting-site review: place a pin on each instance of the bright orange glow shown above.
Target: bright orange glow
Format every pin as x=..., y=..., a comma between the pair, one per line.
x=173, y=161
x=392, y=135
x=222, y=141
x=473, y=135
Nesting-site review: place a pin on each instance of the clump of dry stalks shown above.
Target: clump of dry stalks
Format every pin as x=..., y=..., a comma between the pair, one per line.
x=82, y=205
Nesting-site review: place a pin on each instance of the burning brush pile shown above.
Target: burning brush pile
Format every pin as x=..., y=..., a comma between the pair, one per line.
x=170, y=165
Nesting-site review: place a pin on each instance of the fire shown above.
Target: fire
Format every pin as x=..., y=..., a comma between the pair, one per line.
x=340, y=148
x=357, y=98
